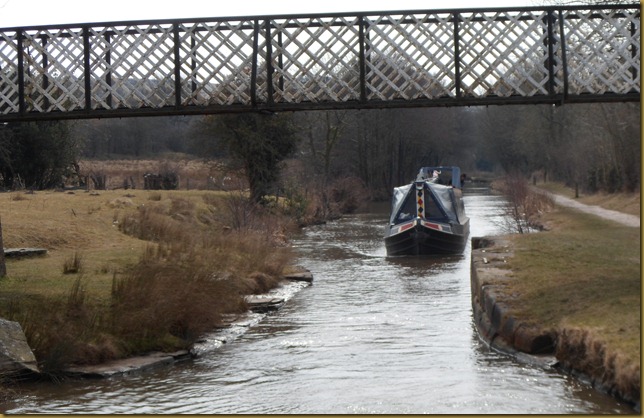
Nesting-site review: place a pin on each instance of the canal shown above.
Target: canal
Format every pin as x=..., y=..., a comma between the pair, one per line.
x=371, y=335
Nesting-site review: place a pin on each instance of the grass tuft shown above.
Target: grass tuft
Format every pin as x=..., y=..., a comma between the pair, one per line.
x=73, y=264
x=18, y=197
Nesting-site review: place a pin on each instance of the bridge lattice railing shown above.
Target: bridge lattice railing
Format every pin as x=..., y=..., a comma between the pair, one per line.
x=459, y=57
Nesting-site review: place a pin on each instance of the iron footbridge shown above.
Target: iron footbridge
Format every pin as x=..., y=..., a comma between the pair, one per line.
x=548, y=55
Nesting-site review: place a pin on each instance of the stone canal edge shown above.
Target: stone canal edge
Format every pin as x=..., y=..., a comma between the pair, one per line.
x=525, y=341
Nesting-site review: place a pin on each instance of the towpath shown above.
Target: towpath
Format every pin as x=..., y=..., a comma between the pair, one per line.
x=622, y=218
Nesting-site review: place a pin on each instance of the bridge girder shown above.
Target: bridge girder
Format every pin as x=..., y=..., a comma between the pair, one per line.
x=463, y=57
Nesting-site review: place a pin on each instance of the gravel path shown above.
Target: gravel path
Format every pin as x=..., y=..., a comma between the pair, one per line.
x=622, y=218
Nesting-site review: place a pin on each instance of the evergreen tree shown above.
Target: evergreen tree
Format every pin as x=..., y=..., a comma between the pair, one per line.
x=37, y=155
x=259, y=143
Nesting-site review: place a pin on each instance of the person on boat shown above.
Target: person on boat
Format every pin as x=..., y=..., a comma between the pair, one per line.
x=435, y=175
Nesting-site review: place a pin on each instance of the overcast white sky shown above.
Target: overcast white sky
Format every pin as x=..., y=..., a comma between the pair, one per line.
x=46, y=12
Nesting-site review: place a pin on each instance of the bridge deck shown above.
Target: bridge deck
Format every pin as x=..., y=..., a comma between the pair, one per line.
x=364, y=60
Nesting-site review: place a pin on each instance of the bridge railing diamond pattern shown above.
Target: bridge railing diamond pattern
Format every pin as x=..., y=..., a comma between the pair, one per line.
x=366, y=60
x=315, y=59
x=10, y=84
x=216, y=62
x=603, y=53
x=410, y=57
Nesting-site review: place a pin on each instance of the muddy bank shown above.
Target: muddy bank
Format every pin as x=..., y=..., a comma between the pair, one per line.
x=569, y=350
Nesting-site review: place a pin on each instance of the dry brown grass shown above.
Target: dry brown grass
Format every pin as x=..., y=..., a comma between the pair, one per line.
x=65, y=223
x=621, y=202
x=152, y=269
x=193, y=174
x=584, y=349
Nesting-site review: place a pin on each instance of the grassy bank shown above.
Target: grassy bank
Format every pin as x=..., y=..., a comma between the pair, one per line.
x=582, y=278
x=132, y=270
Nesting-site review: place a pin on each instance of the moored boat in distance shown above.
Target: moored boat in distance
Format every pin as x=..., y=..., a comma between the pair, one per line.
x=428, y=216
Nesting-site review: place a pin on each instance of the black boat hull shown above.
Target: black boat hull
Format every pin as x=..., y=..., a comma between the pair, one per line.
x=422, y=240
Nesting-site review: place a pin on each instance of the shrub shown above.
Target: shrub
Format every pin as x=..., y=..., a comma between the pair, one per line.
x=18, y=197
x=155, y=196
x=348, y=194
x=164, y=306
x=524, y=204
x=58, y=328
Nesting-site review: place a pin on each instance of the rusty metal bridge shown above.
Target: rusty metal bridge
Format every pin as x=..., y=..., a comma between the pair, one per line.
x=333, y=61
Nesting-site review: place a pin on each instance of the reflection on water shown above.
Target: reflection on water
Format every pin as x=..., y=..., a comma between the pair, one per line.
x=372, y=335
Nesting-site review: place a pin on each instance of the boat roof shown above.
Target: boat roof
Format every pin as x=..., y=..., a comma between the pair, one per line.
x=452, y=173
x=442, y=195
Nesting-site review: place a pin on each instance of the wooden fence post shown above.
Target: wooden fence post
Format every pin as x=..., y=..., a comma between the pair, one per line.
x=3, y=266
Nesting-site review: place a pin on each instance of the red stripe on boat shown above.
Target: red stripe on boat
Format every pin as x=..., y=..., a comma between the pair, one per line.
x=405, y=227
x=433, y=226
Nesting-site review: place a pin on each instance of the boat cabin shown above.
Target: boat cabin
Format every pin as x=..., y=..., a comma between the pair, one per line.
x=448, y=176
x=437, y=196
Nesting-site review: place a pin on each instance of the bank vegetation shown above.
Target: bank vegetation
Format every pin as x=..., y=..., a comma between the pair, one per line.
x=579, y=279
x=128, y=272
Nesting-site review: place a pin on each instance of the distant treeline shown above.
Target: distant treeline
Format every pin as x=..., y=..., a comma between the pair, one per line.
x=594, y=146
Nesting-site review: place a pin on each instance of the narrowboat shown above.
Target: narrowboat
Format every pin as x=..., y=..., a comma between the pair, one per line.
x=428, y=215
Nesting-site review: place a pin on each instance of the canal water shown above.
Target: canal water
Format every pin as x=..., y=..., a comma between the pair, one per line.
x=371, y=335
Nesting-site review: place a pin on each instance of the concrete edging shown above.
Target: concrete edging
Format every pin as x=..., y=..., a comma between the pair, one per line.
x=525, y=341
x=493, y=321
